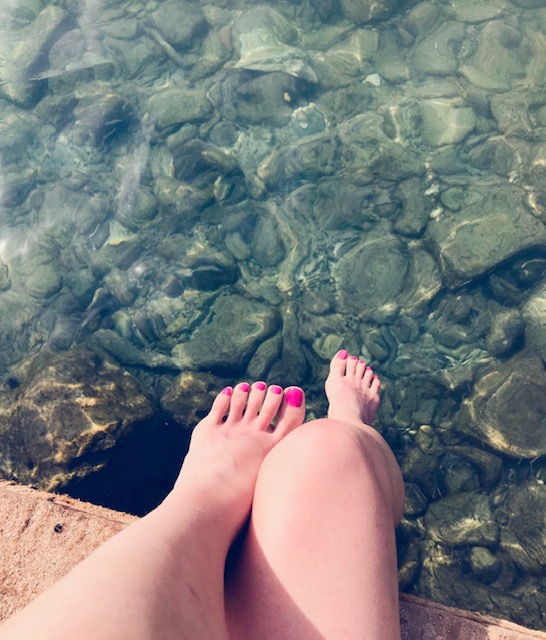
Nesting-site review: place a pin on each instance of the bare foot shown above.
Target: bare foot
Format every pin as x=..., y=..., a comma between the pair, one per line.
x=228, y=446
x=352, y=390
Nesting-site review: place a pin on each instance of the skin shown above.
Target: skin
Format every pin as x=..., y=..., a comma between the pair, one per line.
x=328, y=490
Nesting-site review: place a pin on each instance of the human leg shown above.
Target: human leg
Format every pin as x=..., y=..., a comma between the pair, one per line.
x=319, y=558
x=162, y=577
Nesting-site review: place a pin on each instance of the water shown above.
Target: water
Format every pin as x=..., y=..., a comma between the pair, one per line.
x=197, y=193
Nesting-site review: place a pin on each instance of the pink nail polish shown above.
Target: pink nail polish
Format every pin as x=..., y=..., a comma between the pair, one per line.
x=294, y=397
x=368, y=368
x=260, y=385
x=228, y=391
x=353, y=358
x=361, y=362
x=276, y=389
x=244, y=387
x=342, y=355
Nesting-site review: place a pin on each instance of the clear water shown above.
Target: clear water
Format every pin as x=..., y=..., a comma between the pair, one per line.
x=194, y=193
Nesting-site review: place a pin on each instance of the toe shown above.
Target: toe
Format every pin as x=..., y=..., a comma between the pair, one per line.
x=270, y=406
x=338, y=364
x=255, y=399
x=360, y=369
x=292, y=411
x=352, y=361
x=375, y=385
x=239, y=399
x=221, y=405
x=368, y=377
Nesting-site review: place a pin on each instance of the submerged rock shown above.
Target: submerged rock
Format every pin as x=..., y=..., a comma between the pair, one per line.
x=507, y=407
x=66, y=417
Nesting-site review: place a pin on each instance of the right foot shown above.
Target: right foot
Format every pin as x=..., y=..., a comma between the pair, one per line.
x=228, y=447
x=352, y=390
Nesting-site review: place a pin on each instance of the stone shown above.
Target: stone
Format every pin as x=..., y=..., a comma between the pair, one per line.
x=190, y=395
x=363, y=11
x=506, y=330
x=446, y=121
x=492, y=230
x=462, y=519
x=436, y=53
x=267, y=245
x=177, y=106
x=524, y=531
x=506, y=408
x=66, y=418
x=484, y=564
x=208, y=348
x=535, y=326
x=179, y=22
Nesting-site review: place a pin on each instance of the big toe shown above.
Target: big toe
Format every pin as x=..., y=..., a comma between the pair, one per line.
x=292, y=411
x=338, y=364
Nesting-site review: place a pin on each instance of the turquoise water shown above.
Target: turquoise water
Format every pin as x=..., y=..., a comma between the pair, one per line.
x=194, y=193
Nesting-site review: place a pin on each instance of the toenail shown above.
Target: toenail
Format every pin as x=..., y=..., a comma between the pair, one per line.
x=342, y=355
x=368, y=368
x=244, y=386
x=260, y=385
x=276, y=389
x=361, y=362
x=228, y=391
x=294, y=397
x=353, y=358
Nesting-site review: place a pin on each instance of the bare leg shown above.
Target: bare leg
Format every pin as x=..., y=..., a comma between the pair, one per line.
x=319, y=559
x=163, y=577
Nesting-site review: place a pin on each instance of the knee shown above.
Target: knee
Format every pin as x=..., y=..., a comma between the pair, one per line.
x=331, y=451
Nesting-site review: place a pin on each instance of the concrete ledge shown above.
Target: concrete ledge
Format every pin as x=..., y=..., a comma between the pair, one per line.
x=42, y=536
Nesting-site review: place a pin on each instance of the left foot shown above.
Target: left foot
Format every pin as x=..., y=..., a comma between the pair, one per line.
x=228, y=446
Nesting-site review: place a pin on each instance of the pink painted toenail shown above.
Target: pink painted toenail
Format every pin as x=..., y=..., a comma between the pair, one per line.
x=353, y=358
x=228, y=391
x=244, y=387
x=361, y=362
x=260, y=385
x=276, y=389
x=368, y=368
x=294, y=397
x=342, y=355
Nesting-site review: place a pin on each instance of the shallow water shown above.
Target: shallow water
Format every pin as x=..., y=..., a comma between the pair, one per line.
x=193, y=193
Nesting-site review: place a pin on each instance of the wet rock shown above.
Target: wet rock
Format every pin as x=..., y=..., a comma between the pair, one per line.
x=535, y=328
x=267, y=245
x=179, y=22
x=66, y=418
x=436, y=53
x=178, y=105
x=500, y=59
x=15, y=186
x=310, y=158
x=524, y=534
x=102, y=117
x=363, y=11
x=126, y=353
x=462, y=519
x=5, y=280
x=506, y=408
x=506, y=330
x=208, y=348
x=484, y=564
x=415, y=209
x=189, y=398
x=416, y=503
x=264, y=357
x=491, y=231
x=446, y=121
x=44, y=281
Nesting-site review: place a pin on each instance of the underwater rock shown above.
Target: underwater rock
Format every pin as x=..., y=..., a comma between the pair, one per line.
x=310, y=157
x=415, y=209
x=66, y=417
x=534, y=311
x=362, y=11
x=446, y=121
x=179, y=22
x=178, y=105
x=101, y=117
x=484, y=564
x=345, y=60
x=43, y=281
x=127, y=353
x=436, y=53
x=189, y=398
x=506, y=408
x=5, y=280
x=506, y=329
x=462, y=519
x=489, y=232
x=267, y=245
x=208, y=348
x=523, y=533
x=500, y=59
x=15, y=186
